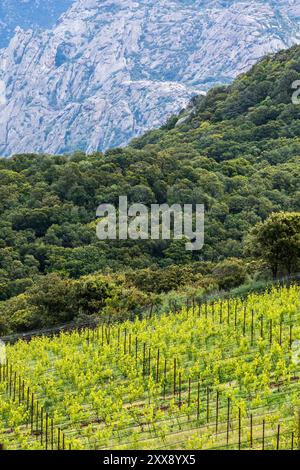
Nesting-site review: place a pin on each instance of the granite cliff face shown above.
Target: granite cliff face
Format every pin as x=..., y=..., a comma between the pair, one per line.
x=108, y=70
x=29, y=14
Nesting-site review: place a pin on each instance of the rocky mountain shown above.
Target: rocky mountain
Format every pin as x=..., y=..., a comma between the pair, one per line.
x=28, y=14
x=108, y=70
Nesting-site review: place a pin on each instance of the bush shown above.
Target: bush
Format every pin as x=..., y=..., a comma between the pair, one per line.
x=230, y=273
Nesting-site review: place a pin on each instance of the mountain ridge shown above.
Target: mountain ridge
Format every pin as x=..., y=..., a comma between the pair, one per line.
x=108, y=71
x=36, y=14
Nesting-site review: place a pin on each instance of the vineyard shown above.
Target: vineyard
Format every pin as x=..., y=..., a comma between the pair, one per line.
x=220, y=375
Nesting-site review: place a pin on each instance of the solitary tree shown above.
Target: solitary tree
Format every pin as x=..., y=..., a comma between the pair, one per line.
x=277, y=241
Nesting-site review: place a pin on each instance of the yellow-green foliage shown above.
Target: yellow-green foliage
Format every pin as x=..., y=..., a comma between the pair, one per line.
x=114, y=387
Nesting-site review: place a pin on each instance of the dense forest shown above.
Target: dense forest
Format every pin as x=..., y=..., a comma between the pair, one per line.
x=236, y=150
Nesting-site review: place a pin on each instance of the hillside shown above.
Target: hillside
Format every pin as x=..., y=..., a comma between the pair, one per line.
x=235, y=150
x=28, y=14
x=106, y=71
x=226, y=378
